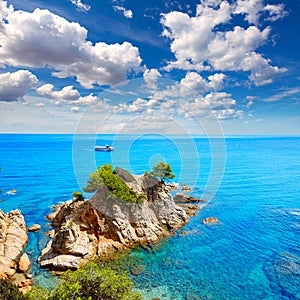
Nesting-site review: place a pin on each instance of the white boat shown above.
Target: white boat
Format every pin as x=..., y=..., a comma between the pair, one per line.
x=106, y=148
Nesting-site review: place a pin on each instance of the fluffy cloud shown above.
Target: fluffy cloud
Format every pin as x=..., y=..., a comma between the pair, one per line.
x=193, y=82
x=67, y=95
x=218, y=105
x=250, y=101
x=80, y=5
x=150, y=78
x=190, y=85
x=74, y=109
x=127, y=13
x=13, y=86
x=150, y=106
x=198, y=43
x=41, y=38
x=255, y=9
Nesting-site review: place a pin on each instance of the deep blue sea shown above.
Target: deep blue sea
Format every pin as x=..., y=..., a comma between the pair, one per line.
x=253, y=253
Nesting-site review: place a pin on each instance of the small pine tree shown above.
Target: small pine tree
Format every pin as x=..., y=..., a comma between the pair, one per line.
x=163, y=171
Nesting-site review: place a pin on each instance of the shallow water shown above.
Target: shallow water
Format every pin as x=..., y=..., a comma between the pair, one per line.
x=253, y=253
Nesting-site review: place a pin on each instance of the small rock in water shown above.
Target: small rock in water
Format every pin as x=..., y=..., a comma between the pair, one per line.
x=186, y=188
x=184, y=233
x=210, y=220
x=183, y=198
x=34, y=227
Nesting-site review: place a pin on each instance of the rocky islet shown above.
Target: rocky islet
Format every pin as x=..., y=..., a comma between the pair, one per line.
x=83, y=230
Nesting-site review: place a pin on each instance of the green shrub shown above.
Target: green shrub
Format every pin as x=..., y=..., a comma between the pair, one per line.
x=78, y=196
x=105, y=176
x=89, y=283
x=38, y=293
x=8, y=291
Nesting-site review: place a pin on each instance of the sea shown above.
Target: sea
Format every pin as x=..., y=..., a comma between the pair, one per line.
x=251, y=184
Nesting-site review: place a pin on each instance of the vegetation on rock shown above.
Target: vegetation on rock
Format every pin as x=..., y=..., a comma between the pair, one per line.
x=78, y=196
x=9, y=291
x=162, y=171
x=105, y=176
x=89, y=283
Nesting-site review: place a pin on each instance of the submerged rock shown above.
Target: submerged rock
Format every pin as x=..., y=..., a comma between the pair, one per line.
x=106, y=224
x=283, y=272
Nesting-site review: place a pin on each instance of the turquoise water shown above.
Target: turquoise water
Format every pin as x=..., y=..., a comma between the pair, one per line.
x=254, y=253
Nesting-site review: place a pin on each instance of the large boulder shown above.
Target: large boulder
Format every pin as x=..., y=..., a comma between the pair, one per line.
x=24, y=263
x=34, y=227
x=13, y=240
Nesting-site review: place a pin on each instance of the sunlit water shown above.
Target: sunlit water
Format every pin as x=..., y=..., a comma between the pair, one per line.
x=253, y=253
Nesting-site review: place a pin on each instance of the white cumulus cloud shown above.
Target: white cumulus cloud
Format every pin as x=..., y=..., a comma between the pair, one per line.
x=194, y=82
x=127, y=13
x=67, y=93
x=254, y=10
x=41, y=38
x=216, y=104
x=80, y=5
x=150, y=78
x=199, y=43
x=13, y=86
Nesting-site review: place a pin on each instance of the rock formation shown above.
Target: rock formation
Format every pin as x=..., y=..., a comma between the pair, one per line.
x=13, y=240
x=183, y=198
x=105, y=224
x=34, y=227
x=210, y=220
x=24, y=263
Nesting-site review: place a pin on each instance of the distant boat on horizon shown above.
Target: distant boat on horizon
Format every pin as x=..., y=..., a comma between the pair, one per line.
x=106, y=148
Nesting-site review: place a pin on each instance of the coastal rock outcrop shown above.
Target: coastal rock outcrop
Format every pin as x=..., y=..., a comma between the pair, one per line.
x=13, y=240
x=106, y=224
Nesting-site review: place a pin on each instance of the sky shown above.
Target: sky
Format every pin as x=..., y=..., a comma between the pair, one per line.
x=127, y=66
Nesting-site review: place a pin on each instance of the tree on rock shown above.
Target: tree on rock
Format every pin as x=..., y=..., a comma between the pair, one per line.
x=162, y=171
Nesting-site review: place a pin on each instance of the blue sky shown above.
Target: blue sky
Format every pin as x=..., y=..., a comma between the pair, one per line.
x=125, y=66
